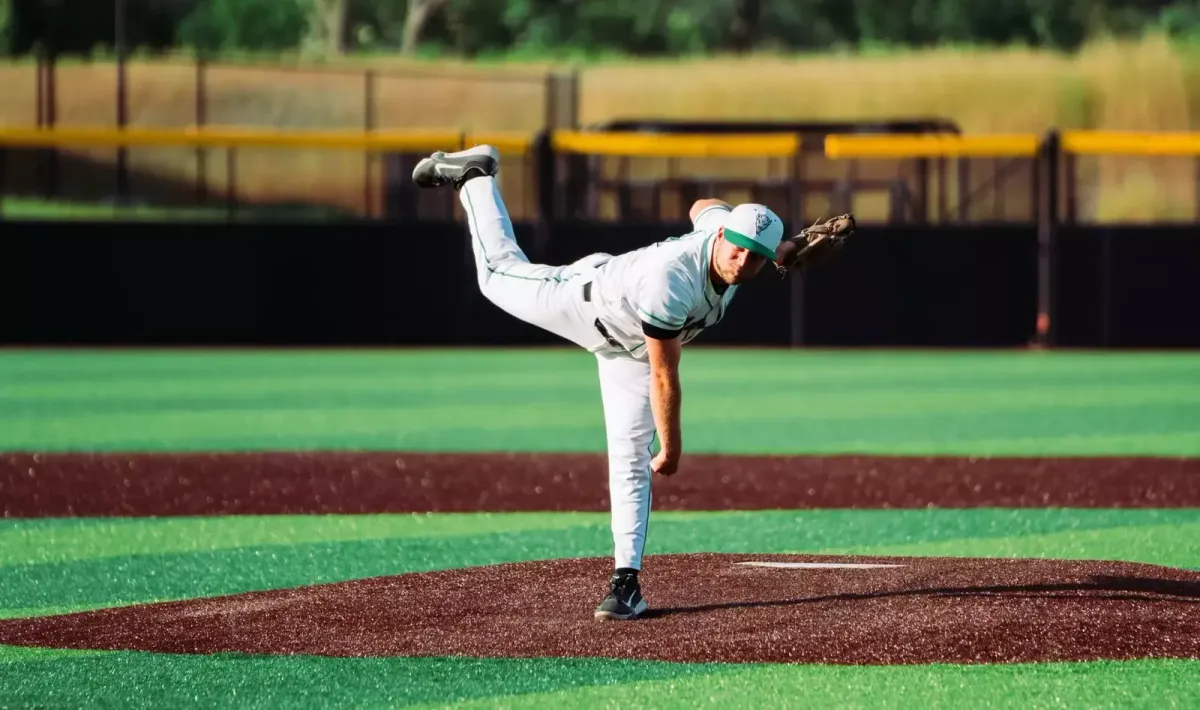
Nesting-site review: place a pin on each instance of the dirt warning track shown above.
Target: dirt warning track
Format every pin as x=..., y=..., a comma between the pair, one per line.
x=706, y=608
x=41, y=485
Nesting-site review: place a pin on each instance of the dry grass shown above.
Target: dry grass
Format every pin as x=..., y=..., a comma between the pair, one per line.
x=1144, y=85
x=942, y=84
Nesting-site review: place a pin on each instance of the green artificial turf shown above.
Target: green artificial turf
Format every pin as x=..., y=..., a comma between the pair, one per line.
x=87, y=679
x=1149, y=684
x=735, y=401
x=97, y=563
x=121, y=679
x=65, y=565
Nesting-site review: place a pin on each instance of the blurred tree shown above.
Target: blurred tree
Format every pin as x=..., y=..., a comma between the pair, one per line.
x=259, y=25
x=1182, y=21
x=382, y=21
x=636, y=27
x=743, y=31
x=327, y=25
x=81, y=27
x=419, y=13
x=5, y=26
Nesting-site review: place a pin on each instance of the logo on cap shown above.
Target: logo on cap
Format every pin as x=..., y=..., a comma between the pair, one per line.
x=762, y=222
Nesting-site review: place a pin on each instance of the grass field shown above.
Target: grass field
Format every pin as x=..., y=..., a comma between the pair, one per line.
x=514, y=400
x=432, y=400
x=1150, y=84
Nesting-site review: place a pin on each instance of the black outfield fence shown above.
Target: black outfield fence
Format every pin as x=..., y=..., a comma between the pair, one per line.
x=413, y=284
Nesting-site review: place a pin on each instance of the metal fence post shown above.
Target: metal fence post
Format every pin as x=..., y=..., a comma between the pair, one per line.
x=39, y=95
x=369, y=122
x=796, y=309
x=201, y=121
x=562, y=101
x=3, y=178
x=796, y=216
x=231, y=196
x=122, y=102
x=47, y=116
x=545, y=175
x=1048, y=160
x=1196, y=186
x=572, y=118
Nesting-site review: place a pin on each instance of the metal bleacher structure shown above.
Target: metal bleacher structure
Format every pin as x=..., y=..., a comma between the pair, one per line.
x=641, y=170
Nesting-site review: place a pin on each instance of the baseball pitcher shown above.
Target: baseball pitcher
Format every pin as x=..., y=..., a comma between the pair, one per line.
x=634, y=312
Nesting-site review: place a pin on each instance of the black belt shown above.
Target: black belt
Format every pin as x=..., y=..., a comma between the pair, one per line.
x=587, y=298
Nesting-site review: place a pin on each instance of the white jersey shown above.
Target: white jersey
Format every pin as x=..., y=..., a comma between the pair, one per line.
x=665, y=286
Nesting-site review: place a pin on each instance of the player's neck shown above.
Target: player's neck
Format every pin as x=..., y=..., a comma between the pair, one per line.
x=714, y=276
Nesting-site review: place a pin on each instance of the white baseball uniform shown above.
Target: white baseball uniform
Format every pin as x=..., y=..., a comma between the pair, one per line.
x=602, y=303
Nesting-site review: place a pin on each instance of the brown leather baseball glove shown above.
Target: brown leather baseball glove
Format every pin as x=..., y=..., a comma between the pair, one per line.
x=813, y=244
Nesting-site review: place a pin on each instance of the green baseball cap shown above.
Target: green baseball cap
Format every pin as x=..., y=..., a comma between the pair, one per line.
x=754, y=227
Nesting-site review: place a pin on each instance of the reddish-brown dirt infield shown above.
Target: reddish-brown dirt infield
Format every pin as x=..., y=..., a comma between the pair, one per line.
x=707, y=608
x=37, y=485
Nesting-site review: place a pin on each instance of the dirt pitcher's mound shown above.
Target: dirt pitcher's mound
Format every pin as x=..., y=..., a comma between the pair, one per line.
x=771, y=608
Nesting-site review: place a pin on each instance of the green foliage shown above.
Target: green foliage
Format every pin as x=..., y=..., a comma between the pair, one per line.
x=1182, y=22
x=643, y=27
x=263, y=25
x=5, y=27
x=376, y=24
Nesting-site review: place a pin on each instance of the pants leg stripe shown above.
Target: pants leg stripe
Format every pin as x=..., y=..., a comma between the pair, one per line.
x=488, y=261
x=649, y=497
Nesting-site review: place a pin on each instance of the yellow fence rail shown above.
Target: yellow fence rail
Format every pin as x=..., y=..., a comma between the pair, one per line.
x=614, y=144
x=643, y=145
x=1179, y=144
x=380, y=141
x=919, y=146
x=619, y=144
x=1130, y=143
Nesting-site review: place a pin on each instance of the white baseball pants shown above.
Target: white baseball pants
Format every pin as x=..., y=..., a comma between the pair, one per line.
x=551, y=297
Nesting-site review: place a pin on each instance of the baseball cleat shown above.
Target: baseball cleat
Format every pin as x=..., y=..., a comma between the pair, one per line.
x=442, y=168
x=624, y=600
